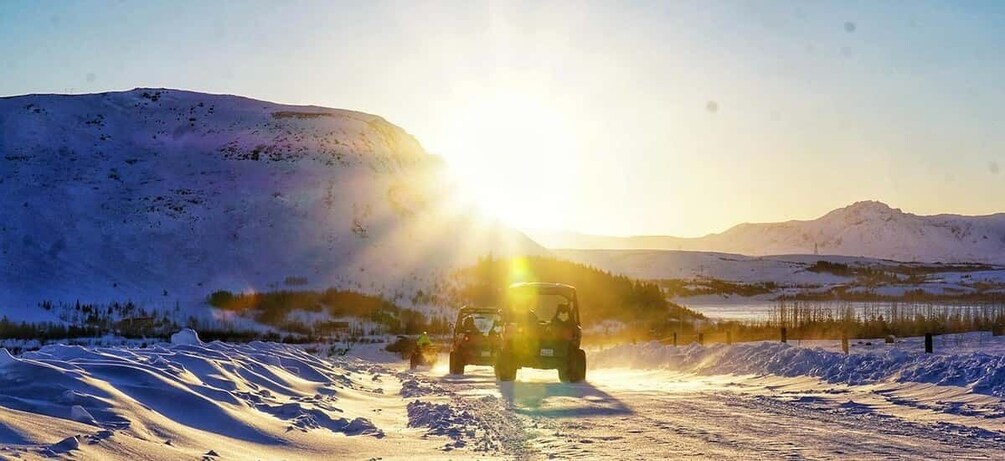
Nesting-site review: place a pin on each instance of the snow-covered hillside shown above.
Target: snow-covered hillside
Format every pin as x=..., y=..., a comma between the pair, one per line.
x=868, y=229
x=163, y=196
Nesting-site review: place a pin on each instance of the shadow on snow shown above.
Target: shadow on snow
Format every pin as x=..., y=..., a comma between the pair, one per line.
x=548, y=399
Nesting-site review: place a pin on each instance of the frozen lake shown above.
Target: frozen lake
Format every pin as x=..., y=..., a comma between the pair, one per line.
x=736, y=311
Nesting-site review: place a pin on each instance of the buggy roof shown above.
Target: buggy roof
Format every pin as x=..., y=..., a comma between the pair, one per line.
x=546, y=288
x=478, y=309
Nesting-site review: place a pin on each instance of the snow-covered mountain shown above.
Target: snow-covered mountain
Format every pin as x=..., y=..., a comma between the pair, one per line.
x=866, y=229
x=163, y=196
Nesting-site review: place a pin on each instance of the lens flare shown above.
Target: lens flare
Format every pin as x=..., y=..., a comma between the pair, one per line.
x=520, y=271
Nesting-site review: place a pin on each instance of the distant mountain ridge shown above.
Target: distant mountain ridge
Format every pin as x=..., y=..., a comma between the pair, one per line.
x=864, y=229
x=163, y=196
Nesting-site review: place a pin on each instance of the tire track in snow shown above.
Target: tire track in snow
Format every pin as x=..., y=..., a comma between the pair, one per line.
x=502, y=431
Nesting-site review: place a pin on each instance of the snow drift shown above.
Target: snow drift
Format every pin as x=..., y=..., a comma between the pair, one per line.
x=184, y=399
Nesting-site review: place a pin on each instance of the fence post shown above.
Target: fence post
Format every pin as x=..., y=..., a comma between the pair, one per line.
x=928, y=343
x=729, y=337
x=844, y=343
x=675, y=339
x=701, y=339
x=785, y=338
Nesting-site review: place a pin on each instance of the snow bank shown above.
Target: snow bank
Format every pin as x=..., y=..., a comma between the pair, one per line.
x=981, y=372
x=6, y=358
x=186, y=336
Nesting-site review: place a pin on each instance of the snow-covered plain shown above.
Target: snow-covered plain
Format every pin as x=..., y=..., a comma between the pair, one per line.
x=790, y=275
x=671, y=264
x=268, y=401
x=784, y=270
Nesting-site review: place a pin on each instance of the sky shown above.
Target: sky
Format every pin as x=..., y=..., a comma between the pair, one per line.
x=621, y=118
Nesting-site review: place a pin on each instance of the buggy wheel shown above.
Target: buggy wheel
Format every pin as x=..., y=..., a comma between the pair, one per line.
x=456, y=364
x=504, y=369
x=563, y=372
x=577, y=373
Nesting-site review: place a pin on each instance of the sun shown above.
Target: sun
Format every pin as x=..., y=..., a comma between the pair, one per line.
x=515, y=154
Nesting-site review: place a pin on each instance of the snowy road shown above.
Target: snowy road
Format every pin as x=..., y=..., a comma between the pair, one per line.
x=632, y=414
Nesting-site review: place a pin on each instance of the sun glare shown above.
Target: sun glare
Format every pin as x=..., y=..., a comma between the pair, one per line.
x=514, y=153
x=520, y=270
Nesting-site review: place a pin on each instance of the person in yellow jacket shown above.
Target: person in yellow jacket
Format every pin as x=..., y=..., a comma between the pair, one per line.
x=423, y=341
x=424, y=354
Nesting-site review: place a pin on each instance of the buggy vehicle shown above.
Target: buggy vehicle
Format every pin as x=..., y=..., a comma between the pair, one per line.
x=541, y=329
x=476, y=338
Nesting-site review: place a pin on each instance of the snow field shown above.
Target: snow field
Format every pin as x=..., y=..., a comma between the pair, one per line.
x=186, y=399
x=264, y=401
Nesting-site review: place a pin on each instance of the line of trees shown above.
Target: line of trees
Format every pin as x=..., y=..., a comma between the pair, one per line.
x=274, y=308
x=813, y=320
x=44, y=331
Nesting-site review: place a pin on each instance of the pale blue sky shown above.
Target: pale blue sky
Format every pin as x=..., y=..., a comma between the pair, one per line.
x=818, y=103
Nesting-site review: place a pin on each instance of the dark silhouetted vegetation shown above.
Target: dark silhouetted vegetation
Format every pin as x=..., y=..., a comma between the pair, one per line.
x=813, y=320
x=602, y=295
x=831, y=268
x=274, y=308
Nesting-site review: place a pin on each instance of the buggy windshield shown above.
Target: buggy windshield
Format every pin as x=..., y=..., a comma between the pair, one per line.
x=542, y=307
x=484, y=321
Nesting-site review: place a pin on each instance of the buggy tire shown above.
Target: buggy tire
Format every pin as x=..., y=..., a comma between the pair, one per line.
x=577, y=370
x=456, y=364
x=564, y=372
x=504, y=369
